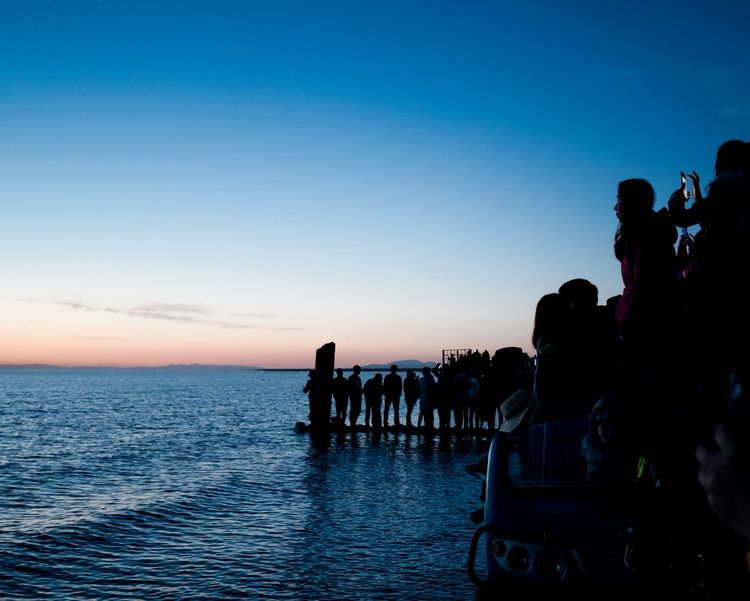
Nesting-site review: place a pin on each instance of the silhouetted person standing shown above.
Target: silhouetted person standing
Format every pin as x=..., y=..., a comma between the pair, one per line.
x=355, y=395
x=648, y=314
x=719, y=319
x=428, y=397
x=392, y=387
x=340, y=394
x=444, y=400
x=309, y=389
x=559, y=387
x=644, y=245
x=373, y=391
x=411, y=394
x=593, y=341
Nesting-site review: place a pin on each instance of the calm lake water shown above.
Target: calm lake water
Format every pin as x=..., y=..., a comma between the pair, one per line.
x=167, y=484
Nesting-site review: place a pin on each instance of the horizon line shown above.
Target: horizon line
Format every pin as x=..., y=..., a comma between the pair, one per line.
x=189, y=365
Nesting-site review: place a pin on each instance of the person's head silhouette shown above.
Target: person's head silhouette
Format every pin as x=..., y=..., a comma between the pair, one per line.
x=635, y=199
x=733, y=155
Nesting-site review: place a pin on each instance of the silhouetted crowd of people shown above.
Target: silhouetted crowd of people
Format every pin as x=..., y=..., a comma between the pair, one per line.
x=462, y=394
x=660, y=371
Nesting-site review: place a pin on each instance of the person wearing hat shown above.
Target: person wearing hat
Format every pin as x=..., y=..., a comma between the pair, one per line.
x=514, y=409
x=515, y=415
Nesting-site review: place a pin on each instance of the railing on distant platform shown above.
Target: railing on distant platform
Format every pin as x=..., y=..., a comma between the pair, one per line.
x=452, y=355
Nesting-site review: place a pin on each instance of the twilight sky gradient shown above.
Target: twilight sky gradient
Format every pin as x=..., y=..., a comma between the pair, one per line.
x=241, y=182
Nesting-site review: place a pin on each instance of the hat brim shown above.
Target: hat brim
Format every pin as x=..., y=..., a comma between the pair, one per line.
x=511, y=423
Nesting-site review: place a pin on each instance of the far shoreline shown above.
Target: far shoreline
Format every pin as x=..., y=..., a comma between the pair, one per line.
x=177, y=367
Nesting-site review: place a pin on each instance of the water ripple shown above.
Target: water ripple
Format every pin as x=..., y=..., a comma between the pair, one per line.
x=152, y=484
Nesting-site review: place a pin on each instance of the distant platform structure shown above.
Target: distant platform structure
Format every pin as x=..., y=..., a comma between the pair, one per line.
x=451, y=355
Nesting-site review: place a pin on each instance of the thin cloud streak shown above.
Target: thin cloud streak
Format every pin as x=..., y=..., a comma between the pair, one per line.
x=175, y=313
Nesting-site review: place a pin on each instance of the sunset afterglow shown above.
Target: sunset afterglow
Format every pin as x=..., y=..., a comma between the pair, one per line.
x=239, y=183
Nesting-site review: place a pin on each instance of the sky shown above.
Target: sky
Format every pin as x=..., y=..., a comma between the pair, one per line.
x=240, y=182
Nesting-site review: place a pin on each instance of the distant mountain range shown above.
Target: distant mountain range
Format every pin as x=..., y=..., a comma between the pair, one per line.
x=402, y=364
x=174, y=366
x=180, y=366
x=28, y=366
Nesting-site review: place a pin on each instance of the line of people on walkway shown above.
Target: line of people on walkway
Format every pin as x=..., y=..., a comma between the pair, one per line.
x=444, y=396
x=382, y=397
x=462, y=394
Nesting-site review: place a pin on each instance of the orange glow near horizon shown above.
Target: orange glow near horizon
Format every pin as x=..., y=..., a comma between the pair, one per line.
x=108, y=355
x=36, y=333
x=152, y=351
x=102, y=353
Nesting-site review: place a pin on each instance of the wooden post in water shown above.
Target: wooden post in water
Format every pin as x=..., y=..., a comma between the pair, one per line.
x=320, y=412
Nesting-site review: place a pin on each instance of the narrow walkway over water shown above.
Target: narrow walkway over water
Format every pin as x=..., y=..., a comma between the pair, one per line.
x=302, y=427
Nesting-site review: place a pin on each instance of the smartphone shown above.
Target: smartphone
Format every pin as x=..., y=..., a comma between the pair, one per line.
x=683, y=185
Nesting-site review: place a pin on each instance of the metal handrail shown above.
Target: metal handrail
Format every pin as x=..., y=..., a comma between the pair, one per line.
x=473, y=552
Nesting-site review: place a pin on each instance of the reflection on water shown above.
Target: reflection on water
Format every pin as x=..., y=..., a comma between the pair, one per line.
x=186, y=484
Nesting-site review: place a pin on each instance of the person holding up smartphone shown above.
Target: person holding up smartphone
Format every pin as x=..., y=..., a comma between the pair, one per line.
x=681, y=215
x=720, y=271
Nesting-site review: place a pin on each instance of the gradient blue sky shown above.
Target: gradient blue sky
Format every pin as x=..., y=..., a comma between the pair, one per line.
x=241, y=182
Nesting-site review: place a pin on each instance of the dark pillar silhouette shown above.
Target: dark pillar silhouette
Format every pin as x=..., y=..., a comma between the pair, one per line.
x=320, y=412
